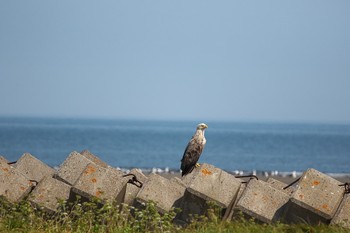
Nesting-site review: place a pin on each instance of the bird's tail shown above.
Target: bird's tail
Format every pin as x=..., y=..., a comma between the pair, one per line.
x=187, y=170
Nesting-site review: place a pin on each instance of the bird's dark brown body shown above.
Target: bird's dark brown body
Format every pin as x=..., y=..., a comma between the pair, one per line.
x=193, y=150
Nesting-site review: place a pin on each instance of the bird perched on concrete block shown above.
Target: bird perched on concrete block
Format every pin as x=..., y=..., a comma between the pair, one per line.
x=193, y=150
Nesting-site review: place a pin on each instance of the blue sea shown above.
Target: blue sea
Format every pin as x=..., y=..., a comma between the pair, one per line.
x=160, y=144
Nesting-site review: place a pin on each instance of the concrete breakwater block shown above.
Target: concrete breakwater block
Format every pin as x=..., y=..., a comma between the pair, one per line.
x=3, y=159
x=279, y=185
x=262, y=201
x=71, y=169
x=213, y=184
x=208, y=184
x=93, y=158
x=316, y=198
x=191, y=206
x=14, y=186
x=48, y=193
x=342, y=216
x=131, y=189
x=165, y=193
x=230, y=211
x=100, y=182
x=33, y=168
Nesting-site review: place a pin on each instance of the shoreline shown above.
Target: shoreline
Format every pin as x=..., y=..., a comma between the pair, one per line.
x=285, y=177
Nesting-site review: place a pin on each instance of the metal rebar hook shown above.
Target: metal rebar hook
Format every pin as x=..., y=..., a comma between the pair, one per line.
x=292, y=183
x=346, y=187
x=250, y=177
x=134, y=180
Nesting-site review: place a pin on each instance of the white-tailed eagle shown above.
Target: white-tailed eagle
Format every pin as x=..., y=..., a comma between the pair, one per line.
x=193, y=150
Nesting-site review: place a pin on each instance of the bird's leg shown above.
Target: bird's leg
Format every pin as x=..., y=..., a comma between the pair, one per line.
x=197, y=165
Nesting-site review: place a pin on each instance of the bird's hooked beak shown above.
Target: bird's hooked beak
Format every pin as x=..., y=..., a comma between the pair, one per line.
x=202, y=126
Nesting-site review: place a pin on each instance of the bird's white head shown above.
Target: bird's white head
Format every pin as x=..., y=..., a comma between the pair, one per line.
x=202, y=126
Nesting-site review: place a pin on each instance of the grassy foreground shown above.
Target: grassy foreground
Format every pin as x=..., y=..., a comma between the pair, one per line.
x=95, y=217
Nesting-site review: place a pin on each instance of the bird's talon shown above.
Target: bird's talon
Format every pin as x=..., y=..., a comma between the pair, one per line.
x=197, y=165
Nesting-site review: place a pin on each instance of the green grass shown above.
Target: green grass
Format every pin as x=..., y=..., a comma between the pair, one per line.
x=95, y=217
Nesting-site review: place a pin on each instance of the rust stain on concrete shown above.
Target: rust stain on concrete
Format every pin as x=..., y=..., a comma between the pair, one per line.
x=206, y=172
x=325, y=206
x=93, y=180
x=315, y=182
x=90, y=169
x=98, y=193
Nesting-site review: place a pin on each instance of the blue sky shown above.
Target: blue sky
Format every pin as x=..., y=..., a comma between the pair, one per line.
x=205, y=60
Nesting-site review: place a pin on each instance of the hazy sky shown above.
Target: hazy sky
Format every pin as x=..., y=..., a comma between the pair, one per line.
x=217, y=60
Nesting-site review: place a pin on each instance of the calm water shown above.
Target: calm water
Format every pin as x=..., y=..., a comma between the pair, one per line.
x=148, y=144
